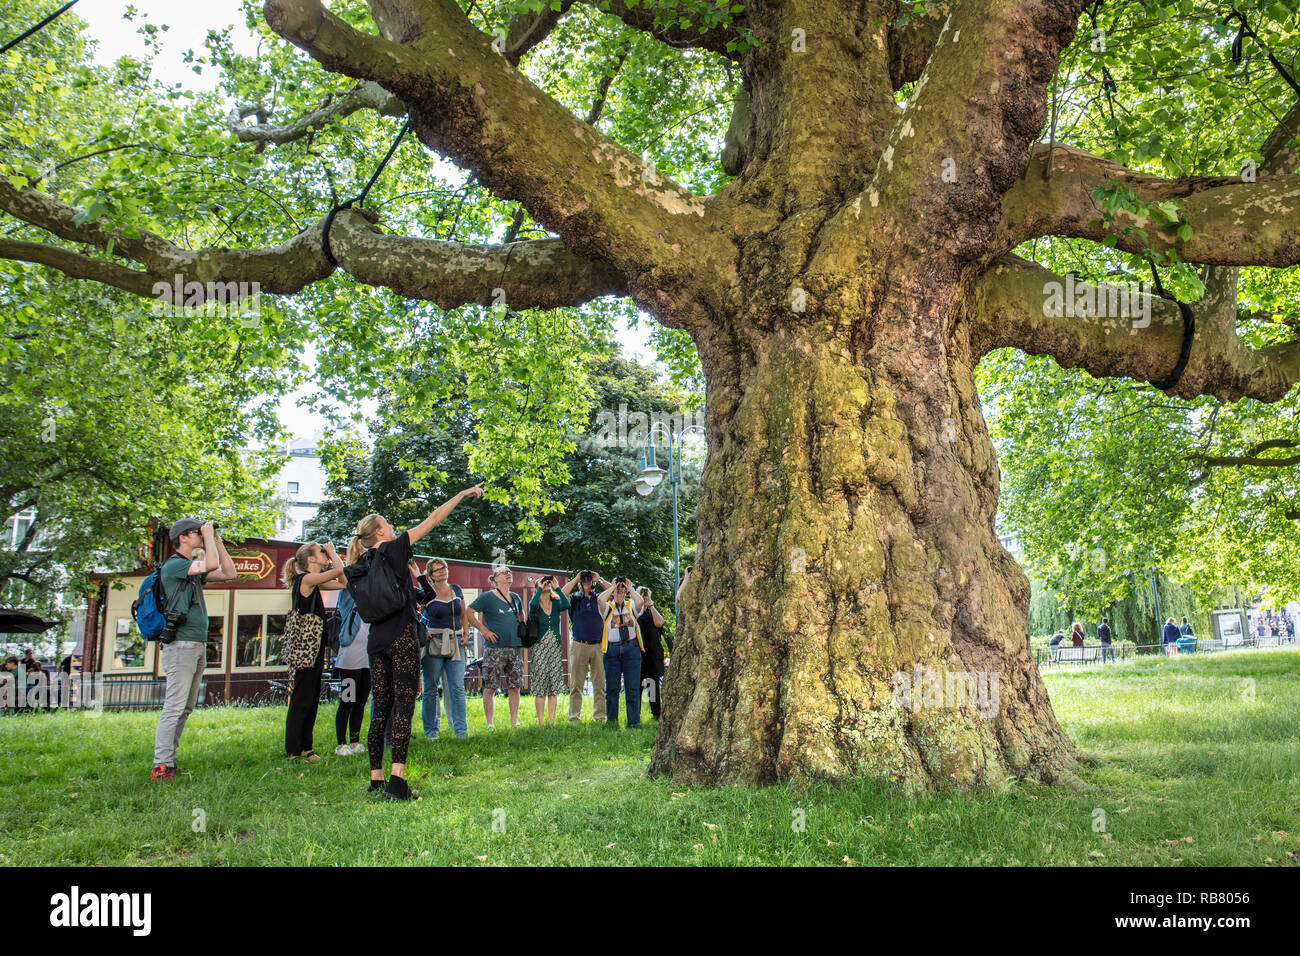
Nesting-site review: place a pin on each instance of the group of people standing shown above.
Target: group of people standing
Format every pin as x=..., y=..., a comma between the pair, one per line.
x=428, y=641
x=1076, y=639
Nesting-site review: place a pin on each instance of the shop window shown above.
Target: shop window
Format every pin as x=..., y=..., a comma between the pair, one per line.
x=128, y=645
x=258, y=639
x=216, y=639
x=248, y=640
x=274, y=638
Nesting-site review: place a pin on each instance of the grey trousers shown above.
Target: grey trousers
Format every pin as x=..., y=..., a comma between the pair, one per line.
x=183, y=663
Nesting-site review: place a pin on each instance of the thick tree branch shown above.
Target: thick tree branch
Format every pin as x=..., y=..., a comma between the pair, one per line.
x=470, y=104
x=77, y=266
x=527, y=30
x=1234, y=222
x=1022, y=305
x=364, y=95
x=642, y=15
x=282, y=269
x=1281, y=151
x=1280, y=158
x=537, y=273
x=1252, y=456
x=963, y=138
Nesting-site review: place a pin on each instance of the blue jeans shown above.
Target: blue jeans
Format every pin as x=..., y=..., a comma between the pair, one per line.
x=623, y=660
x=1107, y=652
x=452, y=675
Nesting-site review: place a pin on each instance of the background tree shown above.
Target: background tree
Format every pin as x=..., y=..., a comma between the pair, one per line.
x=603, y=525
x=892, y=166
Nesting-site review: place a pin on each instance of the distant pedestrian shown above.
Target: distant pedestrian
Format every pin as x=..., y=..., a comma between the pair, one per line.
x=1076, y=635
x=9, y=677
x=1055, y=644
x=36, y=685
x=1104, y=636
x=1169, y=638
x=1185, y=629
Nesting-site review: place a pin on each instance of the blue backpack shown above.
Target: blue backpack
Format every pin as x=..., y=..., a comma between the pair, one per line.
x=147, y=608
x=349, y=620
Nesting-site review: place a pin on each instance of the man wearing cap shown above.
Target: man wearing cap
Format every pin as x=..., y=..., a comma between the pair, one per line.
x=183, y=659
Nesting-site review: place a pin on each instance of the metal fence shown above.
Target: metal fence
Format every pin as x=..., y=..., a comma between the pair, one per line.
x=88, y=691
x=131, y=693
x=1100, y=654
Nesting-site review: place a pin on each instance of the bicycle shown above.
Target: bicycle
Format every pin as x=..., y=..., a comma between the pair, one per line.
x=276, y=693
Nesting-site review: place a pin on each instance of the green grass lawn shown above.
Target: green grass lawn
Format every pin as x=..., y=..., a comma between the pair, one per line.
x=1191, y=760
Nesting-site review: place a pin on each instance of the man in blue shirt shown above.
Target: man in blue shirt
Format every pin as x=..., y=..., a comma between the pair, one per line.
x=586, y=627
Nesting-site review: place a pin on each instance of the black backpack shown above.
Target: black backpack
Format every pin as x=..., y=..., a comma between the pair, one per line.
x=376, y=589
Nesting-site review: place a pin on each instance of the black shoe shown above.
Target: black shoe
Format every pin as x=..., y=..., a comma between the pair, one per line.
x=398, y=789
x=376, y=786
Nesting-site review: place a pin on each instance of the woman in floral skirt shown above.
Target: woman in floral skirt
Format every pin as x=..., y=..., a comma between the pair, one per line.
x=546, y=677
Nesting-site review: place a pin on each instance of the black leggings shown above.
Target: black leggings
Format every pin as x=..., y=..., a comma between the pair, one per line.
x=395, y=674
x=303, y=704
x=352, y=711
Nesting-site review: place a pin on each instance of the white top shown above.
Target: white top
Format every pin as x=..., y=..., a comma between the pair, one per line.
x=356, y=656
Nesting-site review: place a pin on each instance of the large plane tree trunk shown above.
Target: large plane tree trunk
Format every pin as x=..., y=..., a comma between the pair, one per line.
x=852, y=611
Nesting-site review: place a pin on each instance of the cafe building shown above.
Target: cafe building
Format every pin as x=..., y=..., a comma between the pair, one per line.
x=245, y=620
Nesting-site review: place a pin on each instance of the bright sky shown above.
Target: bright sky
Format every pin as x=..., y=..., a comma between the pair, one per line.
x=188, y=26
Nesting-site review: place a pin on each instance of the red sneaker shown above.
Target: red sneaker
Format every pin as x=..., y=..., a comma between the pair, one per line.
x=162, y=772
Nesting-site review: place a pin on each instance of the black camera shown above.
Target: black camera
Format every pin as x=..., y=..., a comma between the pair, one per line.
x=174, y=623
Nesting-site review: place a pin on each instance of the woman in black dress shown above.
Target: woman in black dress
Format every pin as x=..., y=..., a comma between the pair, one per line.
x=652, y=659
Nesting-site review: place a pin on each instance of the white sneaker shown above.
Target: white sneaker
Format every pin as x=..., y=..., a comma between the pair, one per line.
x=343, y=750
x=357, y=748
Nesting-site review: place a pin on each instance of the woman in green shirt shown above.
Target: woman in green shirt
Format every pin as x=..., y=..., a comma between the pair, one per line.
x=546, y=671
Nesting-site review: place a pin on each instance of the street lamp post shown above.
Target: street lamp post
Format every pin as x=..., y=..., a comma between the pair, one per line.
x=651, y=475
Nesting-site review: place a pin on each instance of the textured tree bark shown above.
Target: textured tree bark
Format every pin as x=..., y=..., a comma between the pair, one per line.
x=847, y=556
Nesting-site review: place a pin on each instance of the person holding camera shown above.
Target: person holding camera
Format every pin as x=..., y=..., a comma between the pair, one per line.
x=652, y=661
x=622, y=647
x=546, y=672
x=584, y=644
x=185, y=638
x=314, y=567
